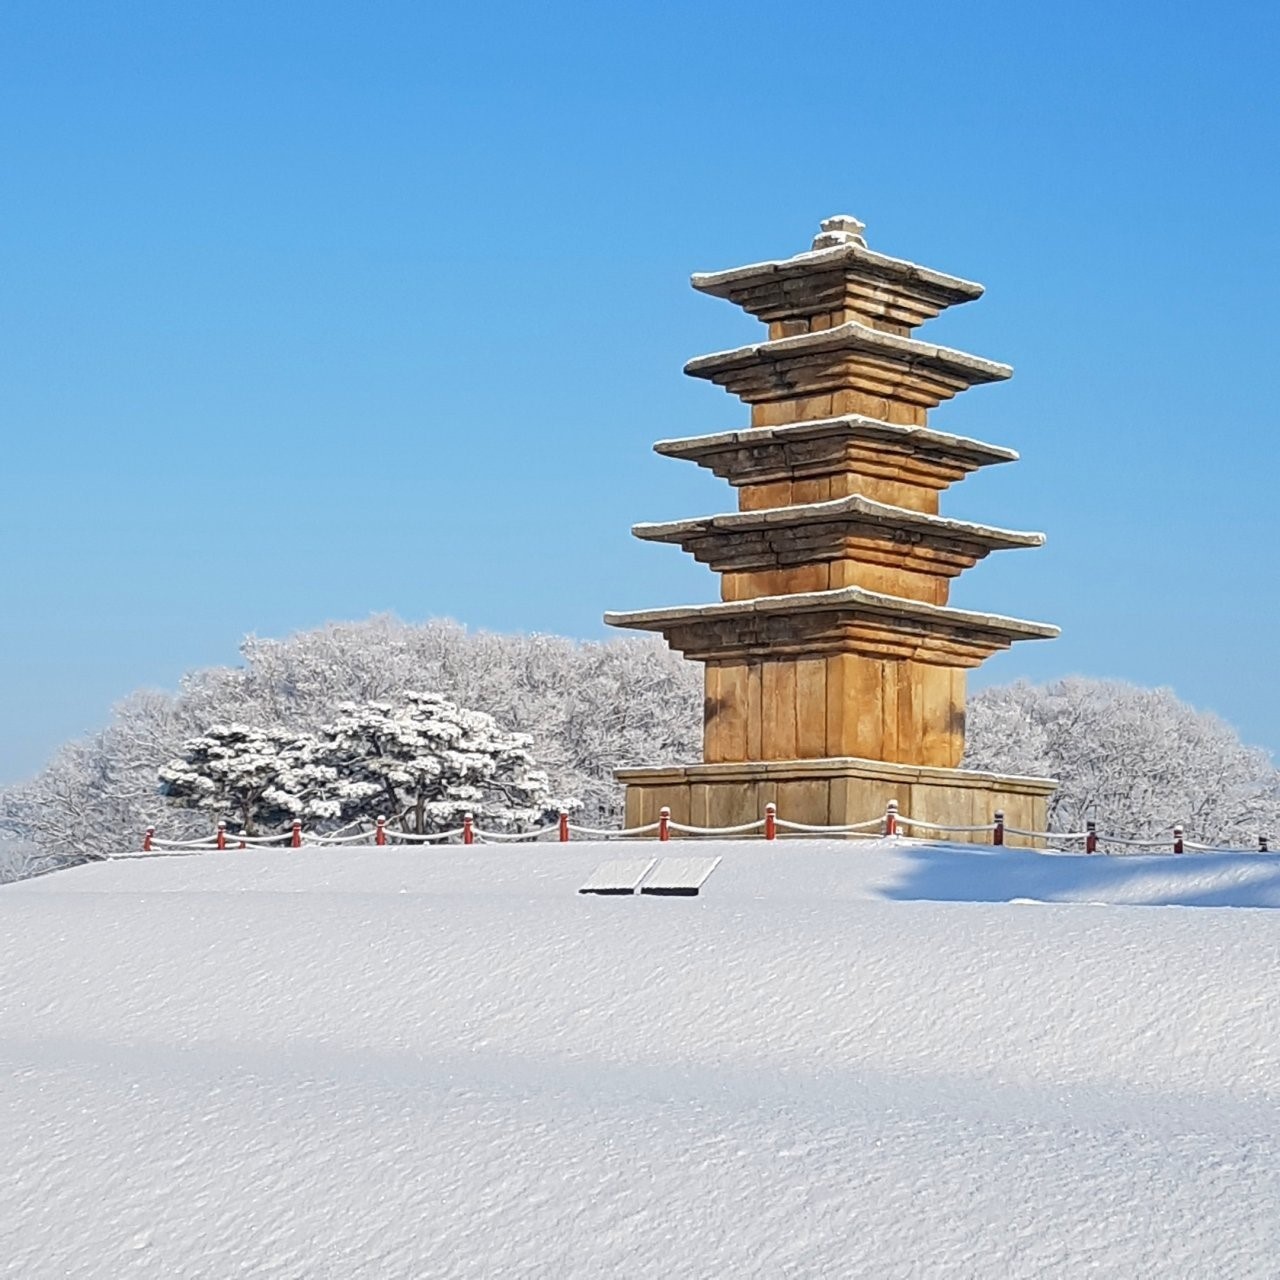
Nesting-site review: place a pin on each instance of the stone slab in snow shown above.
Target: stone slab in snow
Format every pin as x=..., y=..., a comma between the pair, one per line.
x=679, y=877
x=618, y=875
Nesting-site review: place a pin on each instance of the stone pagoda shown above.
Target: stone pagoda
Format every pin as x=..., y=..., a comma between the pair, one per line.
x=835, y=669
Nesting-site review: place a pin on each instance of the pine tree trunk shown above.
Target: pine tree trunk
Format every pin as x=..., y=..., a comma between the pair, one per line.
x=393, y=811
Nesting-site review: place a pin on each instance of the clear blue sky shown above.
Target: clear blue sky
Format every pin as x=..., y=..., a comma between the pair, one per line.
x=308, y=312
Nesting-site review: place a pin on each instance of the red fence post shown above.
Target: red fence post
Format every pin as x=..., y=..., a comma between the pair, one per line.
x=1262, y=844
x=771, y=821
x=891, y=818
x=380, y=832
x=1177, y=839
x=564, y=826
x=295, y=834
x=997, y=836
x=664, y=823
x=1091, y=837
x=146, y=840
x=222, y=835
x=468, y=829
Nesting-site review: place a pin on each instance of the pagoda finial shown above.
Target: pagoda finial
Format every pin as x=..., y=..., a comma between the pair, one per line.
x=843, y=228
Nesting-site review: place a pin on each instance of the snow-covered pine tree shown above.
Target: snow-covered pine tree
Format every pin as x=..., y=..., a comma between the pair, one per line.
x=258, y=777
x=426, y=762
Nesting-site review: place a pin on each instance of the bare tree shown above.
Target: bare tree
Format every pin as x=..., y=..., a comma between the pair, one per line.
x=1137, y=761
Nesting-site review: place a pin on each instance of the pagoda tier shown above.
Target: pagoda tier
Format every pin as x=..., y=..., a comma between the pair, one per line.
x=843, y=542
x=833, y=655
x=837, y=456
x=848, y=672
x=824, y=458
x=849, y=357
x=847, y=620
x=840, y=280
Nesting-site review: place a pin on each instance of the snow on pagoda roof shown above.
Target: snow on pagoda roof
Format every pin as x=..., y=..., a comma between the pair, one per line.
x=852, y=425
x=851, y=251
x=860, y=338
x=844, y=599
x=853, y=509
x=839, y=264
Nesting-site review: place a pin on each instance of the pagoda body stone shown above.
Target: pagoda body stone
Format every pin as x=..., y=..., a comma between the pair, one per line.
x=835, y=668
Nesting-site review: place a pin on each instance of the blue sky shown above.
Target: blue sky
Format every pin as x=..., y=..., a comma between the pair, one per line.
x=308, y=312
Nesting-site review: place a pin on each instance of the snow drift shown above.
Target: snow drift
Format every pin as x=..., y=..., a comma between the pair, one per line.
x=883, y=1060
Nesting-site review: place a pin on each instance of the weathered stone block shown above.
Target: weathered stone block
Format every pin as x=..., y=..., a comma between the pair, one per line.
x=834, y=792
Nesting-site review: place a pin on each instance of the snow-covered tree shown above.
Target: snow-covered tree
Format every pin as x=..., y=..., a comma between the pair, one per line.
x=427, y=762
x=20, y=860
x=99, y=793
x=592, y=708
x=1137, y=761
x=261, y=777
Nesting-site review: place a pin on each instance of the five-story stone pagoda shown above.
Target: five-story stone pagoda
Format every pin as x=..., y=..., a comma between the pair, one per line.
x=835, y=672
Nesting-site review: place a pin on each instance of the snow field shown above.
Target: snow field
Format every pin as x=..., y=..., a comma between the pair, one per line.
x=841, y=1059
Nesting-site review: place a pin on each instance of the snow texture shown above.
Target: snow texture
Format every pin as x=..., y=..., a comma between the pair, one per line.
x=891, y=1059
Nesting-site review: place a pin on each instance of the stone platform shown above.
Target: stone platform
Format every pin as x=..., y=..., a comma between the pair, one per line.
x=834, y=792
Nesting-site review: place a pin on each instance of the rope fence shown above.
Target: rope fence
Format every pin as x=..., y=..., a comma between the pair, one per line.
x=891, y=824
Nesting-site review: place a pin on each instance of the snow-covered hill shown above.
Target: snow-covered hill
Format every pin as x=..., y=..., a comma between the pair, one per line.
x=881, y=1060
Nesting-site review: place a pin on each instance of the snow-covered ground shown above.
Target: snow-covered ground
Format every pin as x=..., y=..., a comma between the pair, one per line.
x=855, y=1060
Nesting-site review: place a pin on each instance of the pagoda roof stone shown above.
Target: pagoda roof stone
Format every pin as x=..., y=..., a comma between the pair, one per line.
x=849, y=619
x=849, y=355
x=849, y=424
x=819, y=446
x=839, y=270
x=851, y=510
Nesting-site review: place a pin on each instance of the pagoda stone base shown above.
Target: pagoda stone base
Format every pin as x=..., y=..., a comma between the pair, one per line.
x=835, y=792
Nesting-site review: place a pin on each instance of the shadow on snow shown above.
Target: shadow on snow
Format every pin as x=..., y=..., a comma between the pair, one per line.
x=977, y=873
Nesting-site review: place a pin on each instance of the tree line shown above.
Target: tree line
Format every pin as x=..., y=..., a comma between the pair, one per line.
x=557, y=717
